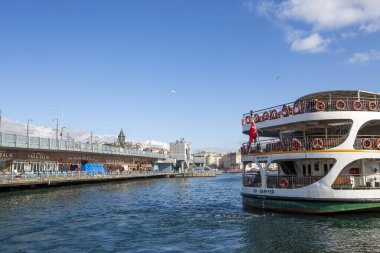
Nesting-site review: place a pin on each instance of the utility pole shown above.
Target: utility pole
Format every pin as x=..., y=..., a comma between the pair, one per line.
x=27, y=127
x=56, y=130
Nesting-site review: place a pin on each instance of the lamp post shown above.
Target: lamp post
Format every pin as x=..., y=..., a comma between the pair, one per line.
x=27, y=127
x=56, y=130
x=62, y=132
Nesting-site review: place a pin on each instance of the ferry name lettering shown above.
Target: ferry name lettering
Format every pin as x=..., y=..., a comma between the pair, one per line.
x=266, y=191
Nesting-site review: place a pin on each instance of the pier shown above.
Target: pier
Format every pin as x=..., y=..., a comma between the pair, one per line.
x=45, y=180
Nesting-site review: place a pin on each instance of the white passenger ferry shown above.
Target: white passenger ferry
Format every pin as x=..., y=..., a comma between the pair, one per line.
x=319, y=154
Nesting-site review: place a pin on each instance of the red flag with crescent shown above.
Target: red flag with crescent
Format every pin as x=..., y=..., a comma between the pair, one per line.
x=252, y=132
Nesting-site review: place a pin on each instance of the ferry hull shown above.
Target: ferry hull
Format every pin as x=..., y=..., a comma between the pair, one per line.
x=308, y=207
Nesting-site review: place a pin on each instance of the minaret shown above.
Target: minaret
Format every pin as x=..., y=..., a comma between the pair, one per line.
x=121, y=138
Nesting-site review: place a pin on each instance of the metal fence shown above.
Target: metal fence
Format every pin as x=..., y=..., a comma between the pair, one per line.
x=18, y=141
x=280, y=181
x=357, y=182
x=293, y=144
x=309, y=106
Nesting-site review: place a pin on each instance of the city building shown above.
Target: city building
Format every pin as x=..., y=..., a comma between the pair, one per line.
x=231, y=161
x=181, y=151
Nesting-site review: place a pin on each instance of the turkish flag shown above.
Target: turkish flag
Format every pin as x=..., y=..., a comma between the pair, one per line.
x=252, y=132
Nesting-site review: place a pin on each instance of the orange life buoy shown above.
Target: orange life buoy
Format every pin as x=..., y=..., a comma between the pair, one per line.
x=296, y=144
x=248, y=120
x=265, y=116
x=296, y=109
x=317, y=143
x=256, y=118
x=378, y=143
x=285, y=111
x=372, y=106
x=320, y=106
x=284, y=182
x=366, y=143
x=357, y=105
x=274, y=114
x=340, y=105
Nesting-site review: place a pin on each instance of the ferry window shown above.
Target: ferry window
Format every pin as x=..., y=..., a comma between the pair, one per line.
x=325, y=169
x=316, y=167
x=304, y=169
x=309, y=169
x=331, y=164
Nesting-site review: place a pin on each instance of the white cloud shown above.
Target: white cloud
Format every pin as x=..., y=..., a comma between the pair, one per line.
x=364, y=57
x=316, y=21
x=332, y=15
x=313, y=43
x=155, y=143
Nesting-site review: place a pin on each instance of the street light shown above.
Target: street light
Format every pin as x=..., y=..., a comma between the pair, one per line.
x=56, y=129
x=27, y=127
x=62, y=132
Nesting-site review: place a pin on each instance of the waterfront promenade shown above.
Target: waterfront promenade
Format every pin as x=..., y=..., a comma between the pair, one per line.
x=9, y=182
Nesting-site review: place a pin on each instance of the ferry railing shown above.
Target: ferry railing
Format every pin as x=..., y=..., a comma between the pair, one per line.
x=292, y=144
x=291, y=181
x=19, y=141
x=280, y=181
x=312, y=105
x=367, y=142
x=357, y=182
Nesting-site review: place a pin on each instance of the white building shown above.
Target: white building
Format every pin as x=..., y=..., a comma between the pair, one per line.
x=181, y=151
x=231, y=161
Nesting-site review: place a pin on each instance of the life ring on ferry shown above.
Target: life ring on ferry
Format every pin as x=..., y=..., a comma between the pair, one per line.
x=285, y=111
x=296, y=109
x=274, y=114
x=320, y=106
x=256, y=118
x=378, y=143
x=372, y=106
x=317, y=143
x=248, y=120
x=284, y=182
x=357, y=105
x=366, y=143
x=296, y=144
x=265, y=116
x=340, y=105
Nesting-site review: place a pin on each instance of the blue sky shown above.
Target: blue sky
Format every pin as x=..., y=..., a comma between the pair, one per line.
x=113, y=64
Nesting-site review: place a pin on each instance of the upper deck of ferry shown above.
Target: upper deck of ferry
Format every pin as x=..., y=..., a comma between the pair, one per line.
x=338, y=102
x=324, y=120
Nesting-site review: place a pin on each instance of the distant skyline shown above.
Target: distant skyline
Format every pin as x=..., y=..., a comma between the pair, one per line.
x=164, y=70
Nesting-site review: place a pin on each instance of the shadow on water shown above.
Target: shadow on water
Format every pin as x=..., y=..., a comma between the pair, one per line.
x=284, y=232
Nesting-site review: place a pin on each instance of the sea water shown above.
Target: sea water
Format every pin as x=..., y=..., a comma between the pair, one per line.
x=170, y=215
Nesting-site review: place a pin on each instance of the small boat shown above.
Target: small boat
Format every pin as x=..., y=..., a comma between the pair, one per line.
x=319, y=154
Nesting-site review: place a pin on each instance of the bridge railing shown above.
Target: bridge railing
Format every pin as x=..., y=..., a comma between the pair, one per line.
x=19, y=141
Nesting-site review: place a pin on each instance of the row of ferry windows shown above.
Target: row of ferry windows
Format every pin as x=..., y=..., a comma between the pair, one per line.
x=307, y=169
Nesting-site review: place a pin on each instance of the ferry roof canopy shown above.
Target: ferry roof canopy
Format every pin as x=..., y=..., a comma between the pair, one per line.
x=340, y=94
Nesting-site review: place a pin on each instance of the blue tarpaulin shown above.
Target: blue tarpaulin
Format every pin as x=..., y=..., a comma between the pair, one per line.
x=93, y=168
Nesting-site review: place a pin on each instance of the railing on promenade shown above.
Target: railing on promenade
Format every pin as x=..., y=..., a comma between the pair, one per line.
x=18, y=141
x=280, y=181
x=312, y=105
x=292, y=144
x=42, y=176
